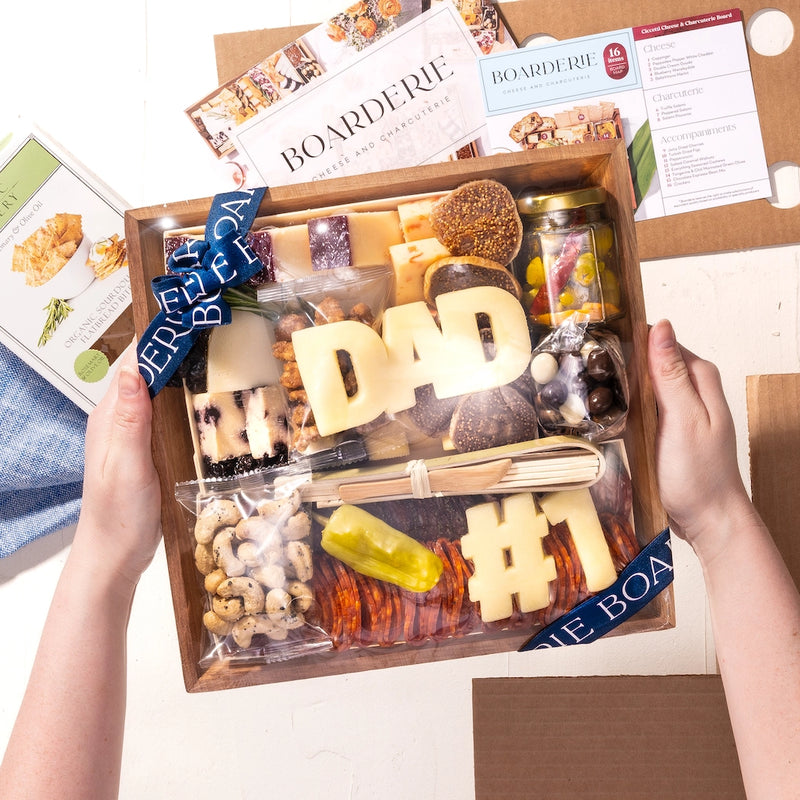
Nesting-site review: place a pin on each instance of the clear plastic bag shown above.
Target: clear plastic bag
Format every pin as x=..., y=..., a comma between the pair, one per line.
x=253, y=554
x=273, y=592
x=360, y=611
x=334, y=295
x=581, y=387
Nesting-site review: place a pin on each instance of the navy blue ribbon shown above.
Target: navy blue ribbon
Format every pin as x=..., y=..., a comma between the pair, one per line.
x=190, y=296
x=641, y=580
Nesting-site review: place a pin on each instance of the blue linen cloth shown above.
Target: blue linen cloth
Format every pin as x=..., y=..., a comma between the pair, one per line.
x=42, y=437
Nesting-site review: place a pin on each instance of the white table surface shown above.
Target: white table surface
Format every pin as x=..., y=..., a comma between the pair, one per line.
x=110, y=82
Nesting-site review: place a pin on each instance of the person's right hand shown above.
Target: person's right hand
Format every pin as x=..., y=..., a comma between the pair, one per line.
x=120, y=521
x=696, y=465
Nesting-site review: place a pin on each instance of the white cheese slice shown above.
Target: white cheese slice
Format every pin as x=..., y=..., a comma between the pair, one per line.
x=240, y=354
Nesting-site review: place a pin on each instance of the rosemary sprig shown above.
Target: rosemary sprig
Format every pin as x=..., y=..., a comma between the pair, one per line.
x=57, y=311
x=244, y=299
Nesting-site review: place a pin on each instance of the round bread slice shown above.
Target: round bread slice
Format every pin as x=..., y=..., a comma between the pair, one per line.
x=492, y=418
x=430, y=414
x=453, y=273
x=479, y=218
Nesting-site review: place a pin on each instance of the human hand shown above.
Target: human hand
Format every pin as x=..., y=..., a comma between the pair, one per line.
x=696, y=466
x=120, y=521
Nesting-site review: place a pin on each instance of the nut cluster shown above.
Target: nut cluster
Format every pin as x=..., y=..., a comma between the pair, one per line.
x=257, y=568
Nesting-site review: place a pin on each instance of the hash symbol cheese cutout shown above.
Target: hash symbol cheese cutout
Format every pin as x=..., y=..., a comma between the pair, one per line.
x=576, y=508
x=508, y=557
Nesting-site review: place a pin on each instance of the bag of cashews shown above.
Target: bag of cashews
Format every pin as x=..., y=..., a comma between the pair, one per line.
x=254, y=562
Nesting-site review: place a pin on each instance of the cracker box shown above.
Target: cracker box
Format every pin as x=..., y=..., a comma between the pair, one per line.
x=64, y=287
x=366, y=625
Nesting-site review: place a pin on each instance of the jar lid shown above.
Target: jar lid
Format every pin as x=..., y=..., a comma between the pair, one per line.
x=528, y=202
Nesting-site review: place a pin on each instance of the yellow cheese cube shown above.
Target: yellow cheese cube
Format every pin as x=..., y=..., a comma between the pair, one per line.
x=291, y=252
x=372, y=233
x=410, y=260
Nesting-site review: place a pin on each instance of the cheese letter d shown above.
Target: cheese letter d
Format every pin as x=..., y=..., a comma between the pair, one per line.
x=453, y=358
x=317, y=353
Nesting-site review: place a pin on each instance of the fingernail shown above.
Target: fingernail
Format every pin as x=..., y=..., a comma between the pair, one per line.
x=129, y=383
x=666, y=335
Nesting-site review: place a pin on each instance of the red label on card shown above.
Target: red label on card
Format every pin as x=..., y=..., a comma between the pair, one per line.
x=615, y=57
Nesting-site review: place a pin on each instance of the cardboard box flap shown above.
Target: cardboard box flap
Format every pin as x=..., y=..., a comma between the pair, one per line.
x=773, y=416
x=751, y=224
x=654, y=737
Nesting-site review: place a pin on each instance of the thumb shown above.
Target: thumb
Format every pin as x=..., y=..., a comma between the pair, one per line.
x=672, y=382
x=132, y=424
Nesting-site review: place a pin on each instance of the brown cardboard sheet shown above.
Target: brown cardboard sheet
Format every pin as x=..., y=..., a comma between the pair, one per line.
x=752, y=224
x=648, y=737
x=773, y=419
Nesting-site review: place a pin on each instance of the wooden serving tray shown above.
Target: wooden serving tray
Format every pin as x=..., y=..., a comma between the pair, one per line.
x=596, y=163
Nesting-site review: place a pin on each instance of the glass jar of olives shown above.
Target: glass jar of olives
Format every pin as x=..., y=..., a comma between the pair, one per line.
x=568, y=259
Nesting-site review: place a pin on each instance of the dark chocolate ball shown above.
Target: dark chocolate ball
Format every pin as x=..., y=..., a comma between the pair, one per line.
x=553, y=394
x=609, y=417
x=579, y=385
x=599, y=365
x=600, y=399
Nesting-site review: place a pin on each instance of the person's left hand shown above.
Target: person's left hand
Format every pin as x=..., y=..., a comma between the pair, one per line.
x=120, y=521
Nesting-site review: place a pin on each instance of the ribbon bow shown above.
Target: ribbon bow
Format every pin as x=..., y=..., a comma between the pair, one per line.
x=190, y=296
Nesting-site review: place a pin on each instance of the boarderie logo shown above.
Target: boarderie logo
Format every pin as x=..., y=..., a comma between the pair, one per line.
x=425, y=78
x=545, y=68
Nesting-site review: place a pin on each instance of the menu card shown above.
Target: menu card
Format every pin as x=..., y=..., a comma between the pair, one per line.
x=680, y=93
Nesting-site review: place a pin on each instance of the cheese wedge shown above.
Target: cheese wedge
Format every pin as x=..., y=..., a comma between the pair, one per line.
x=372, y=233
x=220, y=422
x=291, y=252
x=415, y=220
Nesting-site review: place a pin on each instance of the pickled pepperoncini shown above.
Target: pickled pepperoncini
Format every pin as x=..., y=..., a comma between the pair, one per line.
x=372, y=547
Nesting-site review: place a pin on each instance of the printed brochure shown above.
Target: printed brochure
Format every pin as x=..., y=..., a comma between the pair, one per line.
x=341, y=39
x=411, y=99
